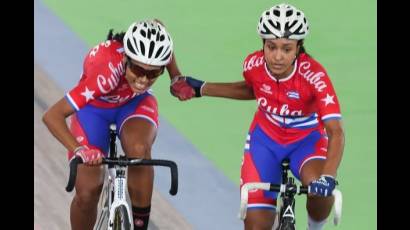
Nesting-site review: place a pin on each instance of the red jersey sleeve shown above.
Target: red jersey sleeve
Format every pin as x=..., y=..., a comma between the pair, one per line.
x=245, y=75
x=325, y=97
x=253, y=60
x=99, y=75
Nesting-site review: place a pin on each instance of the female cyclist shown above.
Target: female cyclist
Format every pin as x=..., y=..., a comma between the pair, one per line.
x=114, y=88
x=298, y=117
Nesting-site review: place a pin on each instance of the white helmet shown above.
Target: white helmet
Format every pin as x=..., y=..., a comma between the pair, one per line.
x=283, y=21
x=148, y=42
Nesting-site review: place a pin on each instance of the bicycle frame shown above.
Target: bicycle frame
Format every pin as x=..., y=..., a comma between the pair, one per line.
x=118, y=188
x=288, y=189
x=116, y=183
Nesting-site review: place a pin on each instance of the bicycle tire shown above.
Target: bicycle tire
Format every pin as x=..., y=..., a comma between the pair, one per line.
x=286, y=226
x=103, y=209
x=121, y=219
x=284, y=223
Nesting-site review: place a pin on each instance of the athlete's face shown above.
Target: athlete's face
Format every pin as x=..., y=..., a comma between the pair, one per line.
x=141, y=76
x=279, y=55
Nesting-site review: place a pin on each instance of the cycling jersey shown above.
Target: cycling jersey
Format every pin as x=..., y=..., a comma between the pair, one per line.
x=287, y=124
x=90, y=125
x=103, y=97
x=102, y=82
x=292, y=107
x=262, y=161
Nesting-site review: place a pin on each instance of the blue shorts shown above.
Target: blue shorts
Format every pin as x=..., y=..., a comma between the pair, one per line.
x=262, y=162
x=90, y=125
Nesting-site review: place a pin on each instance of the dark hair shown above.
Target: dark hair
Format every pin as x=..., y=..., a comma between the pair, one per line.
x=302, y=48
x=117, y=36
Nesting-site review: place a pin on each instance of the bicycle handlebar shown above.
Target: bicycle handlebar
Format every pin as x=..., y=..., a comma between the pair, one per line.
x=73, y=173
x=127, y=162
x=284, y=188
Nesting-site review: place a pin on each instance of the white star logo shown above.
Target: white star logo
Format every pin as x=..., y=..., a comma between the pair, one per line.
x=88, y=94
x=328, y=99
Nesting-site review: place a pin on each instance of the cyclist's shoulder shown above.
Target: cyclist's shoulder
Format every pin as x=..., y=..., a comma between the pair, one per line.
x=252, y=60
x=253, y=55
x=313, y=74
x=307, y=62
x=105, y=52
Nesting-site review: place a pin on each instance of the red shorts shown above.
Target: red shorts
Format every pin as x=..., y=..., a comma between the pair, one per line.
x=262, y=161
x=90, y=125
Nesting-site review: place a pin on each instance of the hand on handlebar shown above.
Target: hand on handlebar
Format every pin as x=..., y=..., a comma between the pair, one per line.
x=90, y=156
x=323, y=186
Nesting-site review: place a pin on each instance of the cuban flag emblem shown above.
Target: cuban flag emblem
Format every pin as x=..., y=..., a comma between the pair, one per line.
x=293, y=94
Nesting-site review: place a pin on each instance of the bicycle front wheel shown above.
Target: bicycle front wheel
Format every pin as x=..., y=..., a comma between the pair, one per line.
x=121, y=219
x=286, y=226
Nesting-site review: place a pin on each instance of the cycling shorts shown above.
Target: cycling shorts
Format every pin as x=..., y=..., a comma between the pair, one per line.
x=90, y=125
x=262, y=161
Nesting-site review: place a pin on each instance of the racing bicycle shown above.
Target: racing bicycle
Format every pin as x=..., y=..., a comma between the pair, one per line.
x=114, y=210
x=288, y=189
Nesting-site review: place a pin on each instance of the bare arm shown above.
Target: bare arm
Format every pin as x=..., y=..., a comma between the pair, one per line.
x=54, y=119
x=336, y=142
x=172, y=68
x=235, y=90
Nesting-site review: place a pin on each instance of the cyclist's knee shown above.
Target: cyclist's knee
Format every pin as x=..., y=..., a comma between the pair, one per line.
x=86, y=200
x=140, y=150
x=319, y=208
x=259, y=219
x=318, y=216
x=311, y=171
x=258, y=225
x=88, y=196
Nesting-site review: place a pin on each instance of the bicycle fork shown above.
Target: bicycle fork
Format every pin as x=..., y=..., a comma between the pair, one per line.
x=287, y=212
x=288, y=209
x=120, y=198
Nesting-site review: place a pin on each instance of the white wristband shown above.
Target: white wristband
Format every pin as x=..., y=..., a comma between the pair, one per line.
x=79, y=148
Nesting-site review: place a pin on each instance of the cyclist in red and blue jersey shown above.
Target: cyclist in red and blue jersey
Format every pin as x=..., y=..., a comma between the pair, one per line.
x=114, y=88
x=298, y=117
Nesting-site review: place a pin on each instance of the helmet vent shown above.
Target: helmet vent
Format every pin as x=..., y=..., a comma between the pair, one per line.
x=291, y=25
x=142, y=32
x=142, y=48
x=276, y=13
x=159, y=51
x=266, y=30
x=289, y=12
x=151, y=48
x=167, y=56
x=129, y=45
x=149, y=34
x=297, y=31
x=135, y=42
x=277, y=26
